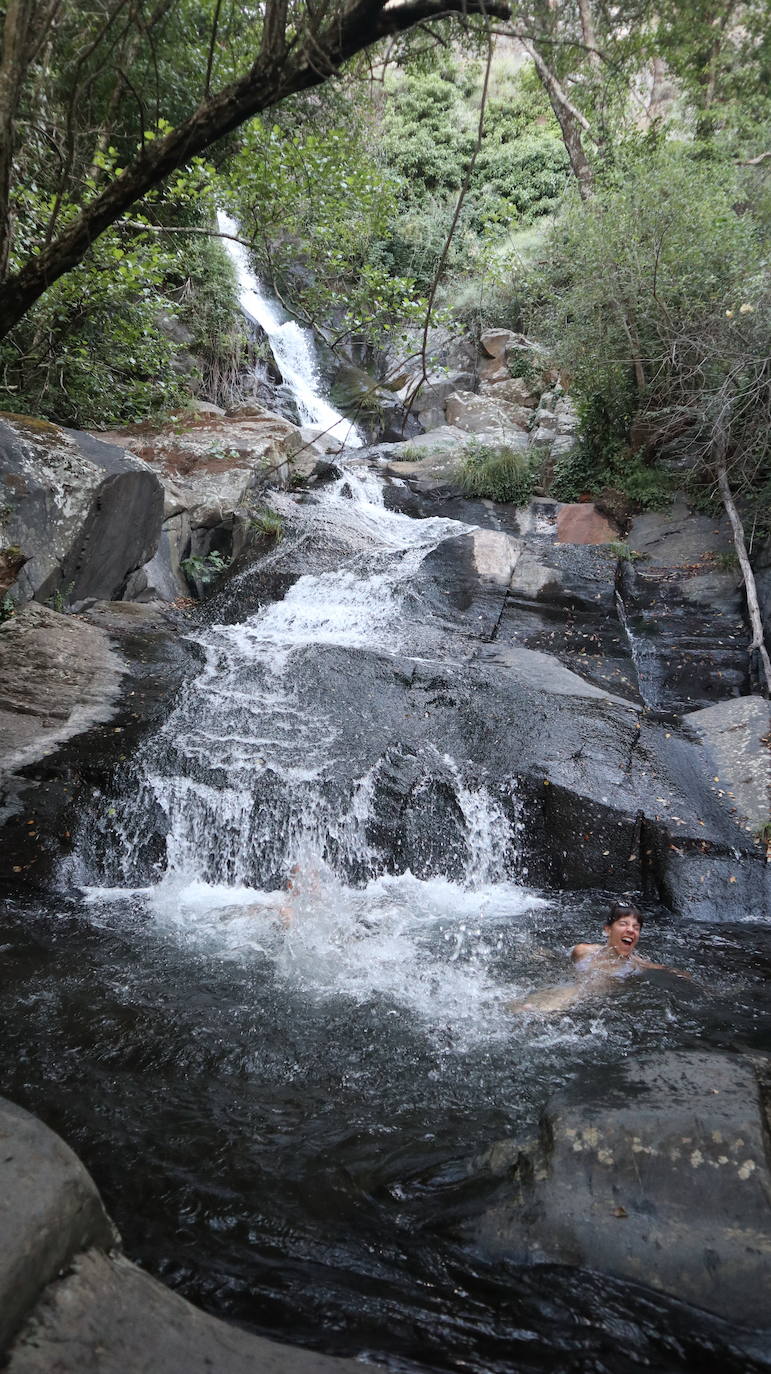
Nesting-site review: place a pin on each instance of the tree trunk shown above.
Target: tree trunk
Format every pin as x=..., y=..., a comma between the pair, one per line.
x=757, y=643
x=13, y=69
x=570, y=120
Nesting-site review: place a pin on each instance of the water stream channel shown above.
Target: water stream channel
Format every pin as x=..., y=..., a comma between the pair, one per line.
x=297, y=1120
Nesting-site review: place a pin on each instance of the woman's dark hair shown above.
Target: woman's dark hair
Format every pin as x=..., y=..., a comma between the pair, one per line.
x=620, y=909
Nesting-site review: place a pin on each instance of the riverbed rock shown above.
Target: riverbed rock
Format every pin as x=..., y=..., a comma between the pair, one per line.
x=660, y=1174
x=58, y=676
x=49, y=1211
x=83, y=513
x=737, y=734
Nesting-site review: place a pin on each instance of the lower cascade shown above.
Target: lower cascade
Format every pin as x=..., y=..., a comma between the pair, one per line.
x=256, y=783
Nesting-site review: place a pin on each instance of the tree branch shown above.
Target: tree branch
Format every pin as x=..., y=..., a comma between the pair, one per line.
x=275, y=74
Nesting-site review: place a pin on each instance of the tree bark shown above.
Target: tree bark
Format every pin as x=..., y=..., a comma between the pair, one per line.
x=570, y=120
x=306, y=61
x=13, y=69
x=757, y=643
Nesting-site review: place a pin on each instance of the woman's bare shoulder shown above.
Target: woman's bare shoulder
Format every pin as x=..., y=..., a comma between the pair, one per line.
x=581, y=951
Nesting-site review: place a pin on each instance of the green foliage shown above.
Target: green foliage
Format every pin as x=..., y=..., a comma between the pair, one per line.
x=618, y=548
x=497, y=472
x=318, y=207
x=7, y=608
x=269, y=523
x=655, y=298
x=204, y=568
x=91, y=351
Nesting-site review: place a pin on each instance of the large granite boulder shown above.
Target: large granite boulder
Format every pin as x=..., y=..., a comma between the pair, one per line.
x=214, y=469
x=82, y=513
x=660, y=1174
x=486, y=416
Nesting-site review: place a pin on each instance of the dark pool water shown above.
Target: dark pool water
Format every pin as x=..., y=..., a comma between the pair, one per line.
x=305, y=1154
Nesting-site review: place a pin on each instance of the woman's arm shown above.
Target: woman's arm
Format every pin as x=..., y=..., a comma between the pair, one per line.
x=581, y=951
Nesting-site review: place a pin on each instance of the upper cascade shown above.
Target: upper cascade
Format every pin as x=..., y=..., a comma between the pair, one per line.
x=292, y=347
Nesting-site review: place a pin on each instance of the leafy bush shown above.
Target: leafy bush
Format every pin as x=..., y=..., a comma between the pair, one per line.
x=497, y=472
x=655, y=297
x=204, y=568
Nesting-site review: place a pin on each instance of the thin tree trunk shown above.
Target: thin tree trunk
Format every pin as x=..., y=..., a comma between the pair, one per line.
x=12, y=72
x=570, y=120
x=753, y=607
x=587, y=33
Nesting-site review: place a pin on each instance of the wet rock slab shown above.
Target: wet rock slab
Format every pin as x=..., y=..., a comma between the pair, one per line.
x=661, y=1175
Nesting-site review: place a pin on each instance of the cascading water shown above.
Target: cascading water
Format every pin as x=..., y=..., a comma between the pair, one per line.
x=252, y=777
x=292, y=347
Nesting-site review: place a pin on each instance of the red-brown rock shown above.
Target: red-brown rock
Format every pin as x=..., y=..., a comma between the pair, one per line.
x=583, y=524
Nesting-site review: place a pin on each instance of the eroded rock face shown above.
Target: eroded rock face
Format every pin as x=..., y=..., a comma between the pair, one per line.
x=215, y=469
x=82, y=513
x=58, y=676
x=662, y=1176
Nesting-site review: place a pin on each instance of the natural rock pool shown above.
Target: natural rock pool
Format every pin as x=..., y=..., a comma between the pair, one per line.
x=304, y=1125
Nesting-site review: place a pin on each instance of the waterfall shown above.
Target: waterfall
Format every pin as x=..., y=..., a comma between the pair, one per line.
x=292, y=347
x=263, y=775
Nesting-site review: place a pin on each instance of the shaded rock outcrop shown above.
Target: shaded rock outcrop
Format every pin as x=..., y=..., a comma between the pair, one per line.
x=81, y=513
x=215, y=470
x=660, y=1174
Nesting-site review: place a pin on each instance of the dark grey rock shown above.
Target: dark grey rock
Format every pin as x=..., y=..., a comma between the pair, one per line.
x=659, y=1174
x=49, y=1211
x=58, y=676
x=737, y=734
x=84, y=513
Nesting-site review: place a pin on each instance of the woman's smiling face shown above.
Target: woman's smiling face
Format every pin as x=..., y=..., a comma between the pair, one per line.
x=623, y=935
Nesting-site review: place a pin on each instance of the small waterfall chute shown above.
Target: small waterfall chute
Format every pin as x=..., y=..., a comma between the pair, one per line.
x=292, y=347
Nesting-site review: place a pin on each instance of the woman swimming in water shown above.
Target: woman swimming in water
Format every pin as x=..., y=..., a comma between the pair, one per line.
x=598, y=965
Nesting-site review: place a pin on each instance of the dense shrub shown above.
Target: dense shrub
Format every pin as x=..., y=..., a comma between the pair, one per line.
x=497, y=472
x=655, y=294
